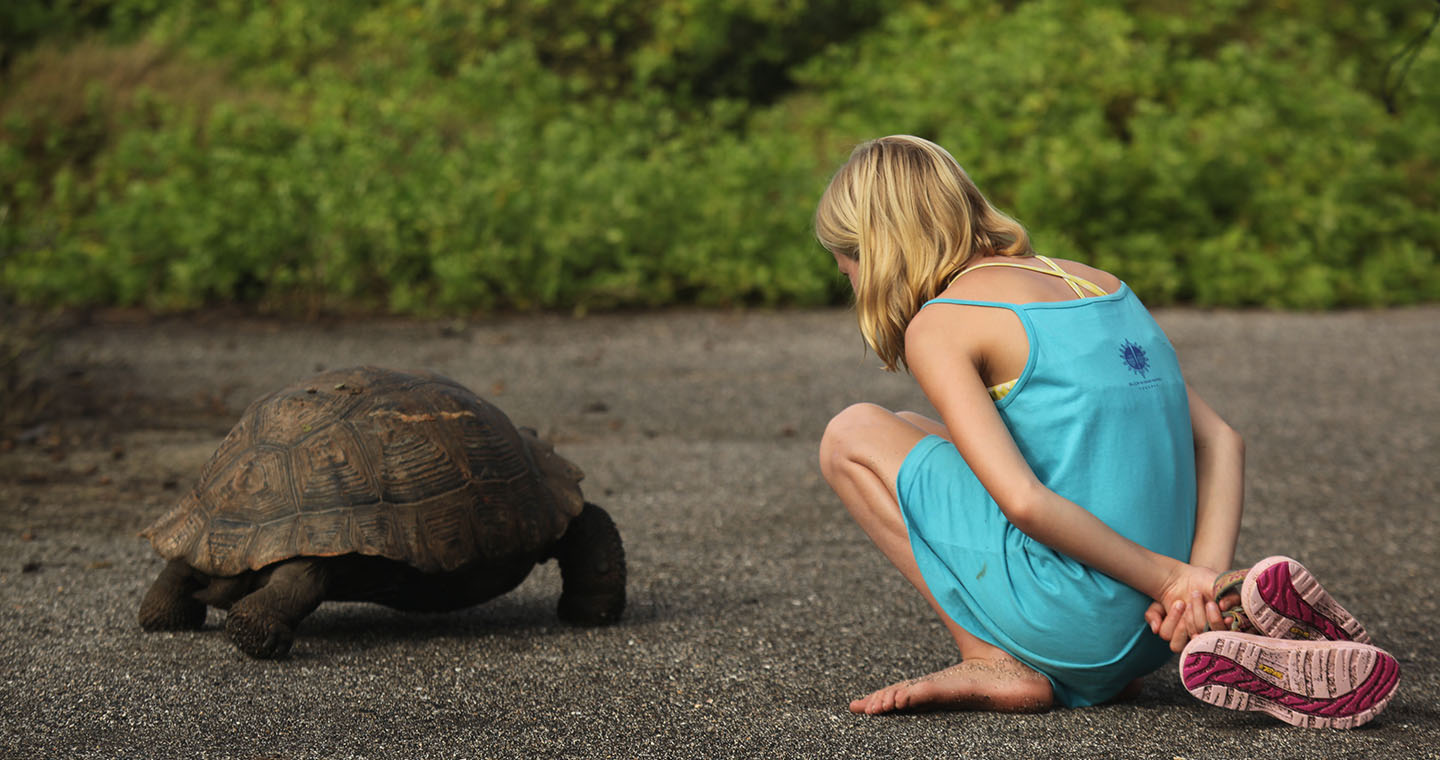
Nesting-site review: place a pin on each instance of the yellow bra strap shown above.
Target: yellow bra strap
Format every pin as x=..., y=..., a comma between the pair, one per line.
x=1074, y=282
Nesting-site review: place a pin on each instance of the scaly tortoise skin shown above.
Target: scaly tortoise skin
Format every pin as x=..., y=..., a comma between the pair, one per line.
x=368, y=484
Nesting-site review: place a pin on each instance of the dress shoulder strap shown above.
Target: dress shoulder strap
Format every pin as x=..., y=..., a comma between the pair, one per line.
x=1075, y=283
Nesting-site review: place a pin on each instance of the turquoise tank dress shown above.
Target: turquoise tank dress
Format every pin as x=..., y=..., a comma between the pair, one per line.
x=1102, y=416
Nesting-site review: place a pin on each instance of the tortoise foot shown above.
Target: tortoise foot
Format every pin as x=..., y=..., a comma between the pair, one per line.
x=186, y=615
x=169, y=604
x=592, y=565
x=591, y=609
x=261, y=636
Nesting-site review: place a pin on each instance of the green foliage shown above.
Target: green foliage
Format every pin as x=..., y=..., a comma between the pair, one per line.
x=1231, y=153
x=25, y=22
x=703, y=48
x=432, y=156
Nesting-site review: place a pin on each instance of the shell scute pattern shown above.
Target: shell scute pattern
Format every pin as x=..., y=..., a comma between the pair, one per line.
x=234, y=444
x=495, y=463
x=272, y=539
x=183, y=522
x=409, y=466
x=322, y=534
x=449, y=527
x=290, y=416
x=227, y=537
x=333, y=470
x=255, y=488
x=416, y=464
x=377, y=531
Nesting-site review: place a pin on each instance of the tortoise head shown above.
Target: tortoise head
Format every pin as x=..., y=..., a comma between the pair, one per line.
x=559, y=475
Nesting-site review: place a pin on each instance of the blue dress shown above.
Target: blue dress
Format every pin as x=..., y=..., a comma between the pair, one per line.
x=1102, y=416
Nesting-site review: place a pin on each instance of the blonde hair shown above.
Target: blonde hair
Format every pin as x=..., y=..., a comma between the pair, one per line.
x=904, y=209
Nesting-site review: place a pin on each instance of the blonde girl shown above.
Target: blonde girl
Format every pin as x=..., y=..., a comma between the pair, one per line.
x=1074, y=499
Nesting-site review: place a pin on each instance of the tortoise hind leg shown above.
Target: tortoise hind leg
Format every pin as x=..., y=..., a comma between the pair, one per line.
x=592, y=567
x=169, y=604
x=262, y=624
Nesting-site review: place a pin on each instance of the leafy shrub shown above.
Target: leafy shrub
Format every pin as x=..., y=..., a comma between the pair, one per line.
x=705, y=48
x=25, y=22
x=1232, y=153
x=448, y=156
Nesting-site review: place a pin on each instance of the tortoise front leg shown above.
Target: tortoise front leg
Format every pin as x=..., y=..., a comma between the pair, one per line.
x=262, y=624
x=169, y=605
x=592, y=569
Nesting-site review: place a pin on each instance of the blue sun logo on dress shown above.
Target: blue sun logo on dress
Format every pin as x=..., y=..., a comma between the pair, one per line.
x=1135, y=358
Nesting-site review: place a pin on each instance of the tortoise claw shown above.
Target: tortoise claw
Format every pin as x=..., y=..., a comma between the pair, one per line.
x=260, y=636
x=591, y=609
x=187, y=616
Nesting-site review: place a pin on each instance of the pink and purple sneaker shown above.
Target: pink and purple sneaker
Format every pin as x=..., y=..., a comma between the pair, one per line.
x=1314, y=684
x=1284, y=601
x=1314, y=666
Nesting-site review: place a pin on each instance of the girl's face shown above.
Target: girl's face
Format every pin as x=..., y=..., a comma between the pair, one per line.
x=847, y=267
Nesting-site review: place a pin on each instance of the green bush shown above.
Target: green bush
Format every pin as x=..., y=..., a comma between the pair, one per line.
x=23, y=23
x=446, y=156
x=1235, y=153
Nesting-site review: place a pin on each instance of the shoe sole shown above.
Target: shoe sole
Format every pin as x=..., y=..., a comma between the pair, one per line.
x=1312, y=684
x=1284, y=601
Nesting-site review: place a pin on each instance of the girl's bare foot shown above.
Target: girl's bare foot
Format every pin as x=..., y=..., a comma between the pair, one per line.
x=995, y=685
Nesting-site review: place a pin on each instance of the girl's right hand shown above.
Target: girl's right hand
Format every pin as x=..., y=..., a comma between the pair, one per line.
x=1186, y=607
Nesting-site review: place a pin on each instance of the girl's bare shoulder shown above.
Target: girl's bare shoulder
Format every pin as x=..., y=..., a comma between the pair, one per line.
x=1107, y=282
x=1014, y=284
x=956, y=326
x=950, y=334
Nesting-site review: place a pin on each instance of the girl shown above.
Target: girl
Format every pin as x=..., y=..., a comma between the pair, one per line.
x=1072, y=477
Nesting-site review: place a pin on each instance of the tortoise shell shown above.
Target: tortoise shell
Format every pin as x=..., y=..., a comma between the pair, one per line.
x=406, y=465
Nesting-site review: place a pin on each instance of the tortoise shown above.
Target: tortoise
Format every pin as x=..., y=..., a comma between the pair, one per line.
x=370, y=484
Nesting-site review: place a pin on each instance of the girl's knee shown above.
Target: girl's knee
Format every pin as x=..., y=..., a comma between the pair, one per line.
x=849, y=425
x=844, y=433
x=861, y=415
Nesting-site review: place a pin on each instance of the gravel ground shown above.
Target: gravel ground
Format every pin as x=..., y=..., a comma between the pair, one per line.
x=757, y=610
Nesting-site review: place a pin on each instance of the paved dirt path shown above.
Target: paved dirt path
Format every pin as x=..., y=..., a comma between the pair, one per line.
x=756, y=609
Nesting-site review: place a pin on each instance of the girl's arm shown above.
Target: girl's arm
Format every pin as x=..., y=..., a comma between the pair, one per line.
x=946, y=363
x=1220, y=477
x=1220, y=481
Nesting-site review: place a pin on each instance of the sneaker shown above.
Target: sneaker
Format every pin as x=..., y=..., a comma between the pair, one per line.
x=1284, y=601
x=1314, y=684
x=1225, y=585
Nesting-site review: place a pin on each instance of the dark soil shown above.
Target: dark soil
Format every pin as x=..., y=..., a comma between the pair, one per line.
x=757, y=610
